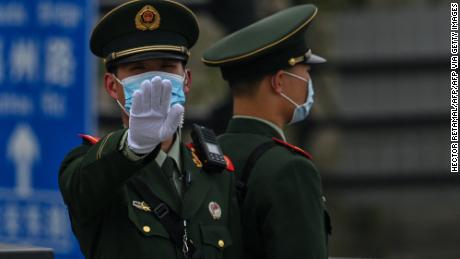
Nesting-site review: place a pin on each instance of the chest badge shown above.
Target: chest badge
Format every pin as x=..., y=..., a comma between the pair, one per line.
x=215, y=210
x=142, y=206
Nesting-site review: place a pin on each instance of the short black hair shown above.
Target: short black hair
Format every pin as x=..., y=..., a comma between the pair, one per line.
x=246, y=86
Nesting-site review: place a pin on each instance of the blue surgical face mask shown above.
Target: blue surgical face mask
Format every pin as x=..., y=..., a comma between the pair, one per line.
x=132, y=83
x=302, y=111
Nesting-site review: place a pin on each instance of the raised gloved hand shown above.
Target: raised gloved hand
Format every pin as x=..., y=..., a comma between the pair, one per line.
x=151, y=120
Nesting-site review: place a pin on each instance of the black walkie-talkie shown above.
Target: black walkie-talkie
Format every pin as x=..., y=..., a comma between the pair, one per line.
x=205, y=142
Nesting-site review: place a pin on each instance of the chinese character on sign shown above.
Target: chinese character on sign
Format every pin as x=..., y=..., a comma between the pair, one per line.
x=32, y=216
x=59, y=62
x=11, y=220
x=24, y=60
x=57, y=224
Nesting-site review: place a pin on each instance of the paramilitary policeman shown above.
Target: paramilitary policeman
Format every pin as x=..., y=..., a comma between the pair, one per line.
x=139, y=192
x=267, y=67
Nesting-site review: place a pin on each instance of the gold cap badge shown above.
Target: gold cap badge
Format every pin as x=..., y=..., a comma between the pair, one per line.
x=147, y=18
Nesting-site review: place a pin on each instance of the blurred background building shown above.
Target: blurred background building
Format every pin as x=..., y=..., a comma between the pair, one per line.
x=379, y=130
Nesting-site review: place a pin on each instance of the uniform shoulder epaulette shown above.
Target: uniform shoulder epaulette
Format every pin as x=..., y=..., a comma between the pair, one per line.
x=228, y=161
x=190, y=146
x=90, y=139
x=294, y=148
x=230, y=166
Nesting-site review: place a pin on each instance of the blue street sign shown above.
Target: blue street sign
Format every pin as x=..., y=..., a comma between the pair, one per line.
x=46, y=82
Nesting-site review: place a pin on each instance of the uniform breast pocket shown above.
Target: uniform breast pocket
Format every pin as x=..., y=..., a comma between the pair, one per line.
x=215, y=239
x=146, y=224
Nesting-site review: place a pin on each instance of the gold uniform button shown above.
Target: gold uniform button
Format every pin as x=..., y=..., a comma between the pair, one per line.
x=146, y=229
x=221, y=243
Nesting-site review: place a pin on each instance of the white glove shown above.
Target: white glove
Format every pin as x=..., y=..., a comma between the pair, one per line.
x=151, y=120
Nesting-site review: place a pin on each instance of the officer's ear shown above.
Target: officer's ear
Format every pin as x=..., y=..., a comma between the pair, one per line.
x=277, y=82
x=187, y=80
x=111, y=85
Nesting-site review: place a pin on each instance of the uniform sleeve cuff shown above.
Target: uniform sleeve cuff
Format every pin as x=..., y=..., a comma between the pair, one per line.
x=127, y=152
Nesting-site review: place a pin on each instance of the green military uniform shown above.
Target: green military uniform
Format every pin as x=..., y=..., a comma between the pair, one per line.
x=154, y=205
x=109, y=221
x=282, y=204
x=283, y=212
